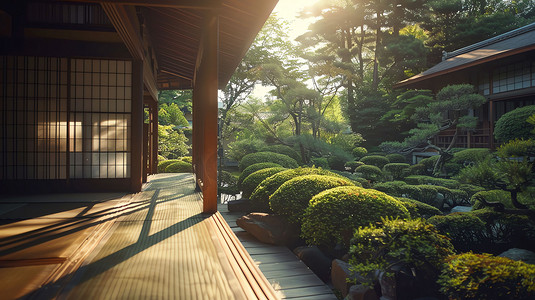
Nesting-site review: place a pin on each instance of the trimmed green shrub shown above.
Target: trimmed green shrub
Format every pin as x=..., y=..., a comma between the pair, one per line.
x=483, y=174
x=470, y=189
x=238, y=149
x=352, y=165
x=514, y=125
x=187, y=159
x=453, y=197
x=375, y=160
x=471, y=156
x=517, y=148
x=259, y=157
x=260, y=196
x=320, y=162
x=254, y=179
x=355, y=179
x=338, y=158
x=500, y=196
x=483, y=276
x=392, y=188
x=465, y=230
x=346, y=142
x=161, y=158
x=292, y=197
x=359, y=152
x=163, y=164
x=413, y=244
x=253, y=168
x=397, y=170
x=371, y=173
x=424, y=193
x=179, y=167
x=283, y=149
x=430, y=162
x=417, y=169
x=396, y=158
x=452, y=169
x=228, y=184
x=422, y=179
x=419, y=209
x=333, y=215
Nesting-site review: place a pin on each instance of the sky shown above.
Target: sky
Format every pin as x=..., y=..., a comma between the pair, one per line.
x=288, y=10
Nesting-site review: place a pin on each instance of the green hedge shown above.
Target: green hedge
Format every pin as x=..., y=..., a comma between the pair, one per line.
x=352, y=165
x=253, y=168
x=397, y=170
x=359, y=152
x=253, y=180
x=163, y=164
x=514, y=125
x=292, y=197
x=471, y=156
x=179, y=167
x=371, y=173
x=422, y=179
x=396, y=158
x=333, y=215
x=501, y=196
x=320, y=162
x=419, y=209
x=414, y=244
x=483, y=276
x=187, y=159
x=465, y=230
x=260, y=196
x=283, y=149
x=375, y=160
x=430, y=162
x=259, y=157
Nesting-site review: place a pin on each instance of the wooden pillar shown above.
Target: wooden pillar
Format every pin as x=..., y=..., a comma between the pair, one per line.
x=154, y=137
x=205, y=112
x=136, y=138
x=491, y=124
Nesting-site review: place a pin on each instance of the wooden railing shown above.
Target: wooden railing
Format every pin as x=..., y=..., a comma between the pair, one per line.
x=479, y=138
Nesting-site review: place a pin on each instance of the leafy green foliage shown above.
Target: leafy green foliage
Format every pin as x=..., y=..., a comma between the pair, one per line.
x=179, y=167
x=259, y=157
x=500, y=196
x=163, y=164
x=517, y=148
x=352, y=165
x=238, y=149
x=260, y=196
x=397, y=170
x=482, y=174
x=283, y=149
x=333, y=215
x=412, y=243
x=292, y=197
x=320, y=162
x=371, y=173
x=359, y=152
x=227, y=184
x=464, y=230
x=170, y=114
x=172, y=143
x=483, y=276
x=338, y=158
x=419, y=209
x=513, y=125
x=254, y=179
x=396, y=158
x=375, y=160
x=253, y=168
x=422, y=179
x=347, y=142
x=471, y=156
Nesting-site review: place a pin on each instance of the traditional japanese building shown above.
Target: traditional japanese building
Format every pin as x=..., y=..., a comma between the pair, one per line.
x=502, y=68
x=79, y=81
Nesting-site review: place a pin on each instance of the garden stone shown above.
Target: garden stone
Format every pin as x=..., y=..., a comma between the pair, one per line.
x=460, y=208
x=269, y=229
x=339, y=275
x=361, y=292
x=520, y=254
x=242, y=205
x=315, y=260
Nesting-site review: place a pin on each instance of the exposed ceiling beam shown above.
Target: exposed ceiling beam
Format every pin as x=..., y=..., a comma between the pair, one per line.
x=187, y=4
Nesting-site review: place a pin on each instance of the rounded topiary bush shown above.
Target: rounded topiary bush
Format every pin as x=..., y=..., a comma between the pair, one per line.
x=471, y=156
x=422, y=179
x=252, y=181
x=179, y=167
x=371, y=173
x=500, y=196
x=253, y=168
x=375, y=160
x=260, y=196
x=417, y=169
x=163, y=164
x=259, y=157
x=514, y=125
x=352, y=165
x=397, y=170
x=430, y=162
x=396, y=158
x=188, y=159
x=465, y=230
x=415, y=245
x=359, y=152
x=283, y=149
x=161, y=158
x=483, y=276
x=419, y=209
x=333, y=215
x=292, y=197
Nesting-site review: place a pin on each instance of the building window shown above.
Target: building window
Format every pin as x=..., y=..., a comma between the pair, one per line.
x=512, y=77
x=484, y=86
x=67, y=14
